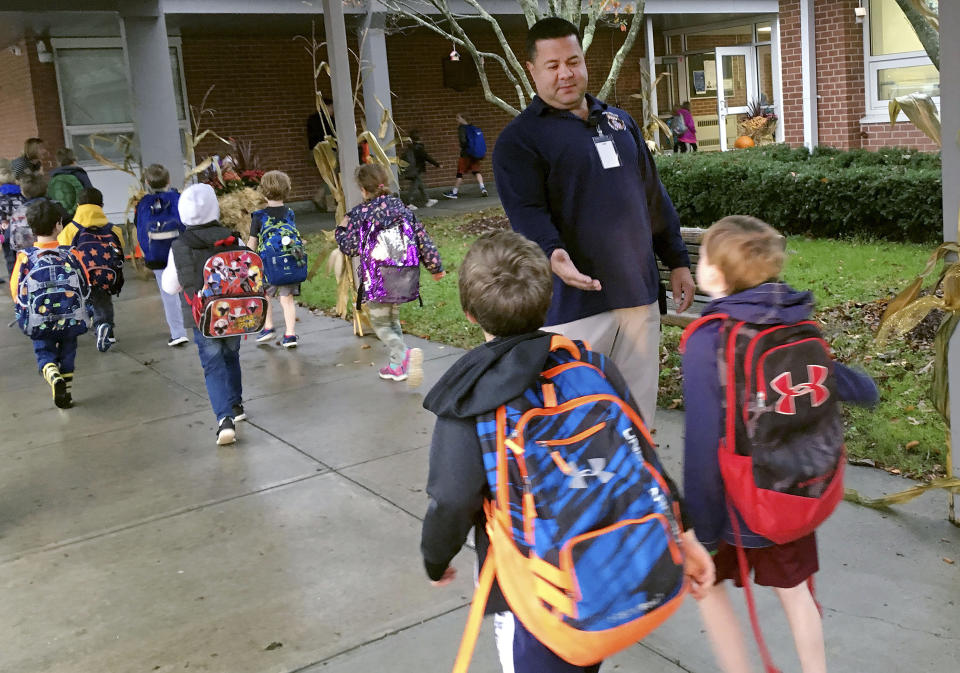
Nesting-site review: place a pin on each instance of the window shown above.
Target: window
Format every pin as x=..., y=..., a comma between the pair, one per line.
x=95, y=95
x=896, y=63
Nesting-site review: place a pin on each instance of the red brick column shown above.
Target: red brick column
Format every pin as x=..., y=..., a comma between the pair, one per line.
x=790, y=73
x=19, y=112
x=840, y=73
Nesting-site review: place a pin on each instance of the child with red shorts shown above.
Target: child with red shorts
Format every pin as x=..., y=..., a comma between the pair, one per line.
x=740, y=261
x=472, y=151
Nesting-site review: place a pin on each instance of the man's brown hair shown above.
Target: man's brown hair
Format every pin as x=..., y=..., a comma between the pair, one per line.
x=275, y=185
x=157, y=176
x=33, y=185
x=747, y=251
x=506, y=284
x=66, y=156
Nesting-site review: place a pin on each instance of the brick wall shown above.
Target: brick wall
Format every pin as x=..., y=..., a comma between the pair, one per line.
x=46, y=102
x=790, y=72
x=263, y=93
x=19, y=115
x=904, y=134
x=840, y=75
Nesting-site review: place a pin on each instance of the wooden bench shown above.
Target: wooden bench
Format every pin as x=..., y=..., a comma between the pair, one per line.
x=692, y=237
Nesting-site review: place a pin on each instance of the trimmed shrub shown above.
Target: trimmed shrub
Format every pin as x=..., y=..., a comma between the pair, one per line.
x=892, y=194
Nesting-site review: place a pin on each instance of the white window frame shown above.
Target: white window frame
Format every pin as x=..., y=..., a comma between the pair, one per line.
x=69, y=130
x=877, y=109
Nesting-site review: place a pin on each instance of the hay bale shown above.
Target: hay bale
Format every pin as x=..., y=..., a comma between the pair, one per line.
x=235, y=209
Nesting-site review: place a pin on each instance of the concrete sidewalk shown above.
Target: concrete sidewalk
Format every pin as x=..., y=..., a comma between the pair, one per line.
x=129, y=542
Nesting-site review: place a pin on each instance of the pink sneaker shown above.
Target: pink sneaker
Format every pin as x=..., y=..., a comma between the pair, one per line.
x=413, y=367
x=394, y=372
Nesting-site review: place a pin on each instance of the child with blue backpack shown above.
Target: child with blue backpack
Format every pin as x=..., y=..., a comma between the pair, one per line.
x=540, y=448
x=473, y=148
x=99, y=244
x=391, y=244
x=274, y=235
x=158, y=226
x=764, y=461
x=49, y=287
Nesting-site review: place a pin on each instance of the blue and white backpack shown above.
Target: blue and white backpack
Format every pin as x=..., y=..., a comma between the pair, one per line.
x=158, y=226
x=51, y=294
x=281, y=249
x=584, y=532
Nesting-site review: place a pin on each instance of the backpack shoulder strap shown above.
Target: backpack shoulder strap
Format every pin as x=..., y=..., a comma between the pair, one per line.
x=559, y=342
x=697, y=324
x=472, y=630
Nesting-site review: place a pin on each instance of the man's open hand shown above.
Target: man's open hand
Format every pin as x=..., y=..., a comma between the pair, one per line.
x=566, y=270
x=681, y=284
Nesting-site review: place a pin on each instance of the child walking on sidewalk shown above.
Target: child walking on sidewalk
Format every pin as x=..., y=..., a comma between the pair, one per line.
x=49, y=287
x=776, y=420
x=274, y=235
x=391, y=244
x=158, y=225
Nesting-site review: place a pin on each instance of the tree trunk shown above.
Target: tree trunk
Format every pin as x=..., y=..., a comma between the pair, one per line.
x=928, y=34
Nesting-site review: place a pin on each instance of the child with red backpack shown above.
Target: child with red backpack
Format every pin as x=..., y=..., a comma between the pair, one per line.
x=540, y=448
x=158, y=225
x=274, y=235
x=391, y=244
x=764, y=461
x=222, y=285
x=99, y=245
x=49, y=287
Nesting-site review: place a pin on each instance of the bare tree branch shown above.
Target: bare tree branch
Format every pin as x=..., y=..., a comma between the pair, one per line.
x=511, y=57
x=531, y=11
x=922, y=20
x=635, y=24
x=594, y=9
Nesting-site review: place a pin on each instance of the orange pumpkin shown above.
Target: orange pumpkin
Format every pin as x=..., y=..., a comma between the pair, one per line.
x=743, y=141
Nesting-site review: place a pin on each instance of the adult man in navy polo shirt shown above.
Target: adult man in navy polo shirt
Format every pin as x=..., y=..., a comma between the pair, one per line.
x=575, y=175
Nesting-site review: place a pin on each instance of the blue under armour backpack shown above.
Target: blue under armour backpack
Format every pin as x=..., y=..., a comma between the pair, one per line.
x=281, y=249
x=476, y=144
x=51, y=294
x=584, y=532
x=158, y=226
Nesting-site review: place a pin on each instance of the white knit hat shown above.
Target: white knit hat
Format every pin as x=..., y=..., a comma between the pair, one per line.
x=198, y=205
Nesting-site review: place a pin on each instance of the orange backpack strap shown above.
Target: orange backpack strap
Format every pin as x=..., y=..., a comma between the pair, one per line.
x=697, y=324
x=472, y=630
x=560, y=342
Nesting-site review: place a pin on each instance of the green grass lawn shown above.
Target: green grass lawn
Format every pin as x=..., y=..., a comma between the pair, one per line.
x=847, y=278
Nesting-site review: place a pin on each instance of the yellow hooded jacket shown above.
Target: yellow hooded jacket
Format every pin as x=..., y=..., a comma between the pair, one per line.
x=87, y=215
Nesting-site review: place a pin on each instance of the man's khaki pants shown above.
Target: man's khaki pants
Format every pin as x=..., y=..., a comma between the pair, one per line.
x=631, y=338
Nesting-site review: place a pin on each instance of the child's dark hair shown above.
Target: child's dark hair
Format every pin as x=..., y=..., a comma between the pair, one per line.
x=90, y=195
x=374, y=179
x=506, y=284
x=33, y=185
x=157, y=176
x=550, y=28
x=414, y=136
x=43, y=216
x=66, y=156
x=747, y=251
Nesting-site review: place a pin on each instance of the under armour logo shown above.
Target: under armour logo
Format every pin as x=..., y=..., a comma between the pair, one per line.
x=578, y=478
x=818, y=393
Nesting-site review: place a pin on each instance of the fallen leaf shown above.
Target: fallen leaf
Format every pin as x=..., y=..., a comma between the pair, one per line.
x=913, y=421
x=365, y=346
x=912, y=445
x=865, y=462
x=273, y=646
x=948, y=560
x=909, y=407
x=894, y=471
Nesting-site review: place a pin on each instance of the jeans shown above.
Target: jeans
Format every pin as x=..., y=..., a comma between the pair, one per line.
x=62, y=352
x=221, y=372
x=385, y=319
x=9, y=256
x=171, y=309
x=101, y=302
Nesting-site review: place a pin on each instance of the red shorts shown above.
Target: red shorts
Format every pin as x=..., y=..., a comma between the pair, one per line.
x=782, y=565
x=467, y=165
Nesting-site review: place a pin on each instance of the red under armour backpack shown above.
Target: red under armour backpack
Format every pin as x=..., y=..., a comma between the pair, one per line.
x=781, y=453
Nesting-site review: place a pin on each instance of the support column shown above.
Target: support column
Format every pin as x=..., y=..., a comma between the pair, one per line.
x=777, y=79
x=376, y=78
x=652, y=65
x=336, y=34
x=950, y=126
x=155, y=114
x=808, y=68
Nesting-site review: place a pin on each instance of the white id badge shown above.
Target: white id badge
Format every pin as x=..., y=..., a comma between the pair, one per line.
x=607, y=151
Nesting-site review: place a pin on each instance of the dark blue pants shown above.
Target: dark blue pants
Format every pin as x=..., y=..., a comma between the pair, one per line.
x=221, y=372
x=62, y=352
x=9, y=256
x=101, y=302
x=520, y=652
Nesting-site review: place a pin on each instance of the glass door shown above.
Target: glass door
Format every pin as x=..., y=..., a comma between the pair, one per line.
x=736, y=88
